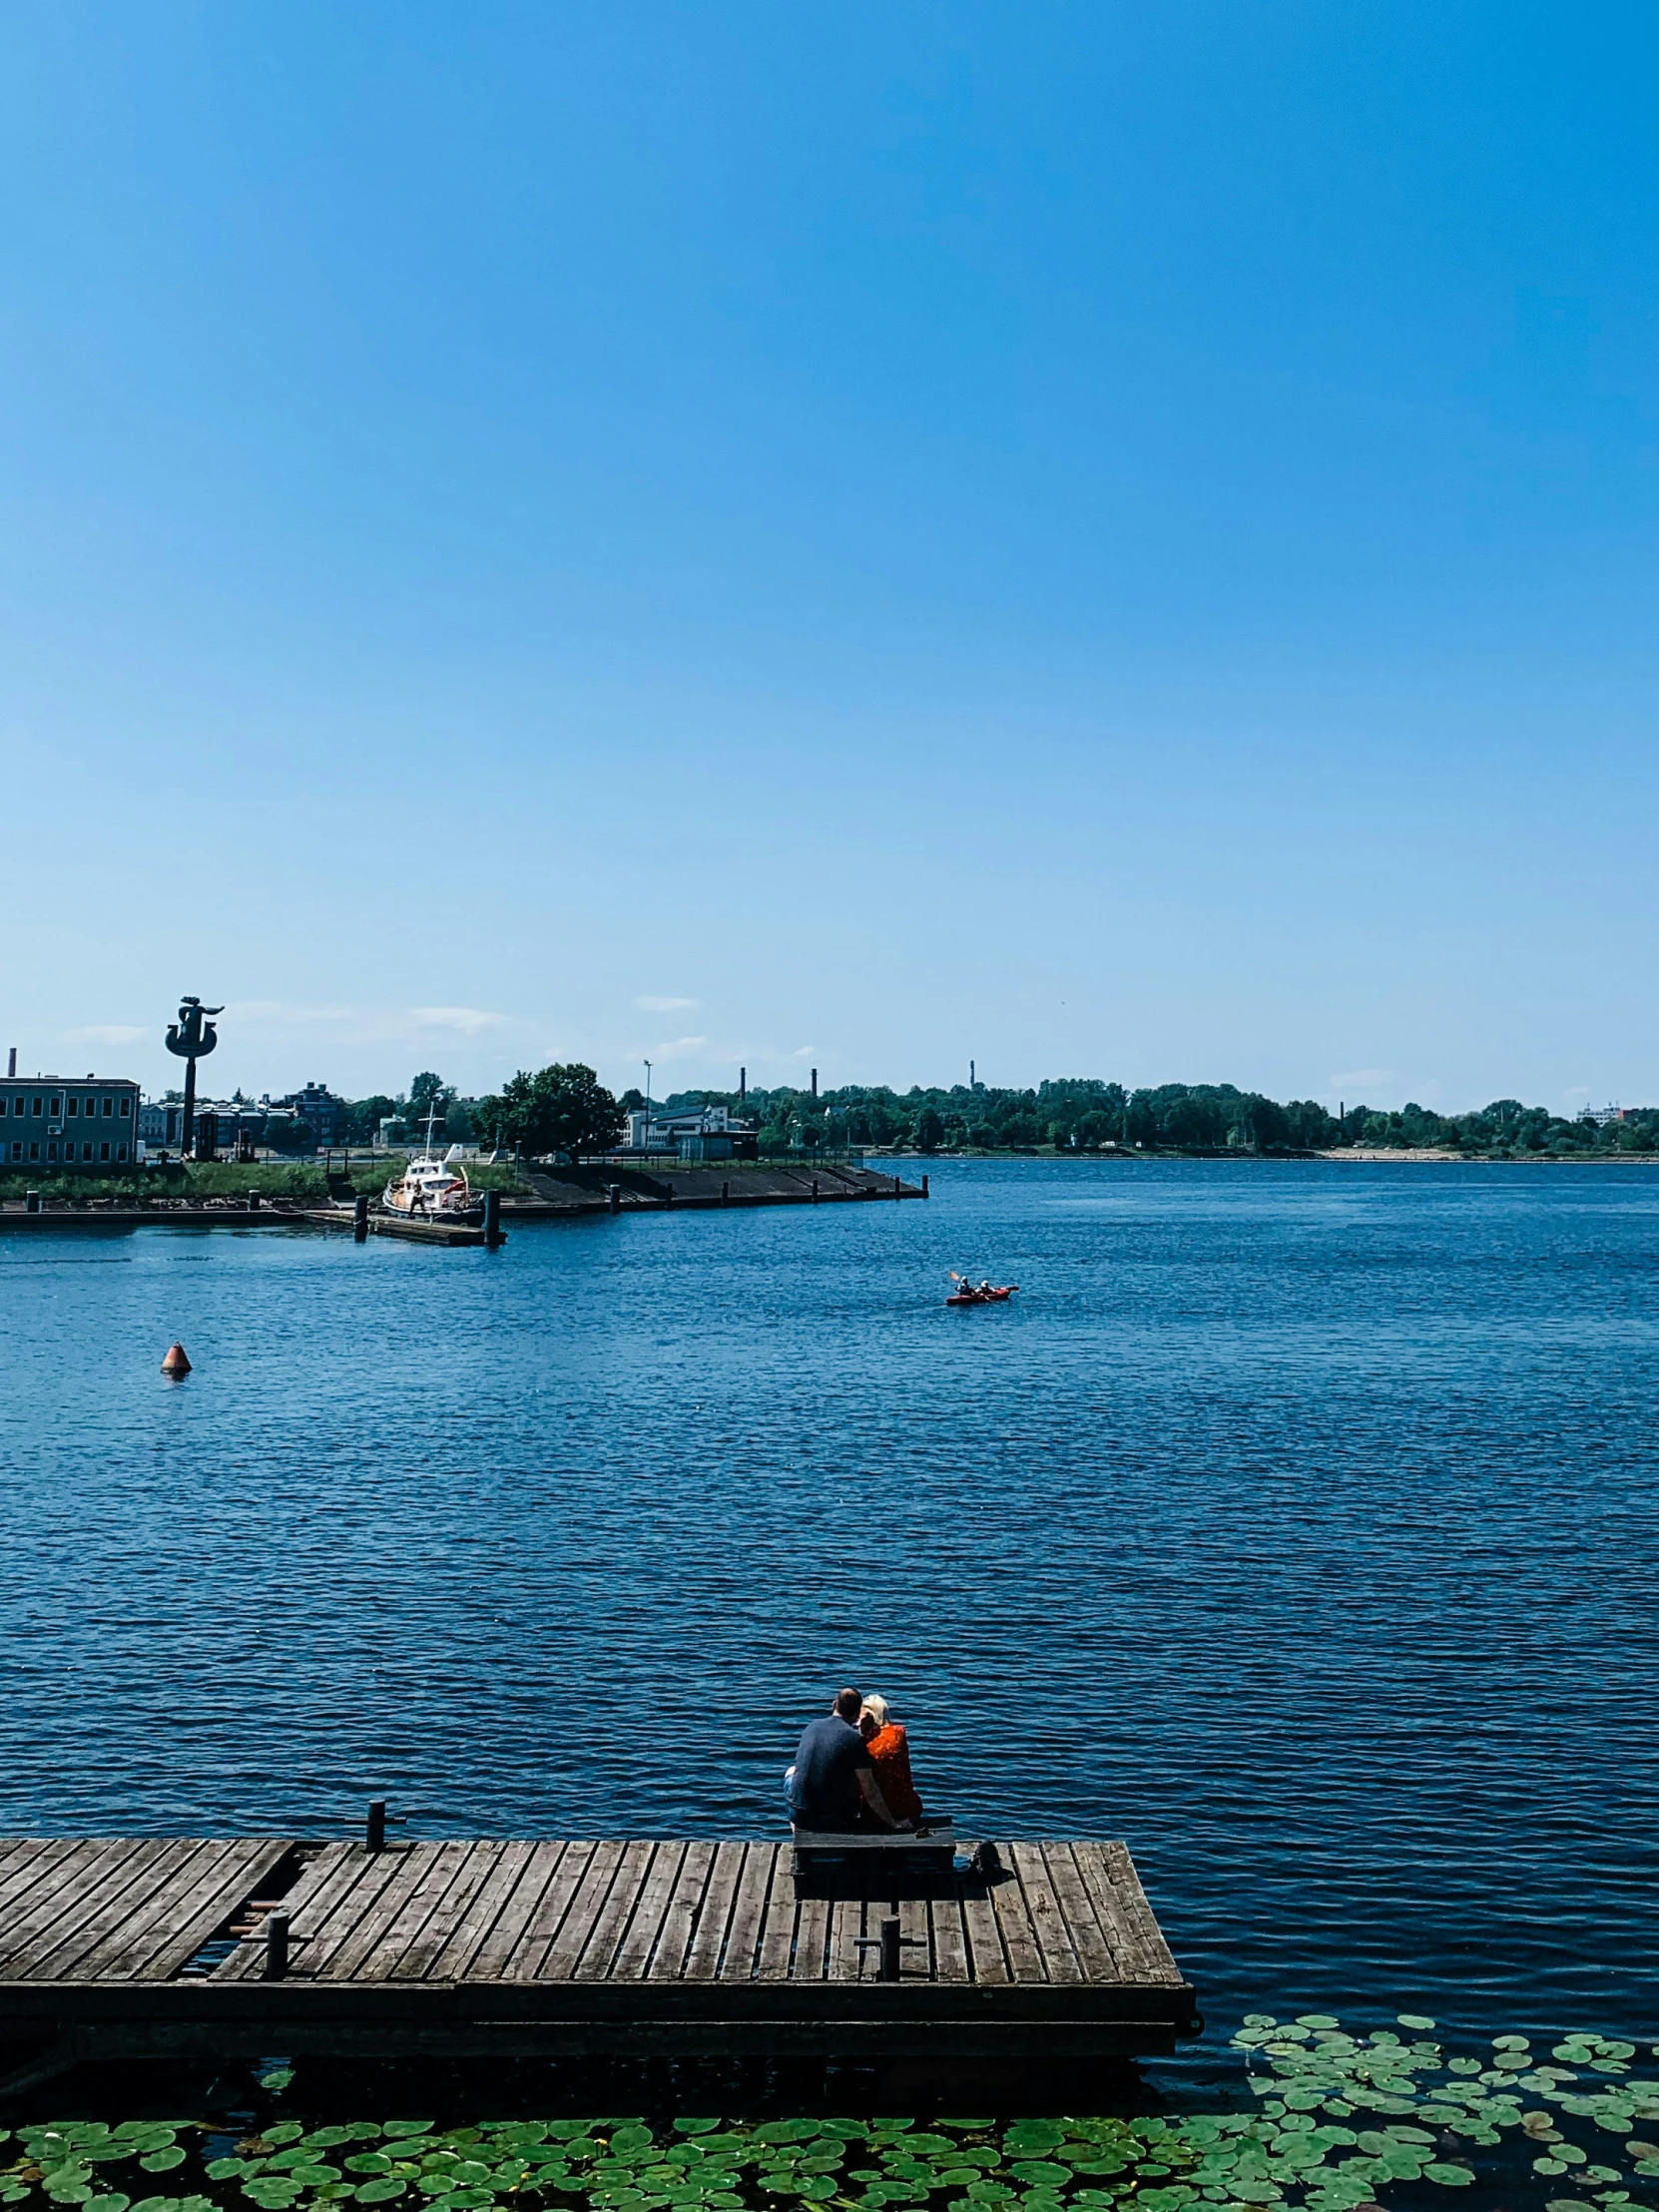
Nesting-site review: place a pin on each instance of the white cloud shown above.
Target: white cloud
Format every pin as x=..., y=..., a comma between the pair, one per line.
x=803, y=1052
x=1362, y=1075
x=664, y=1005
x=677, y=1047
x=106, y=1032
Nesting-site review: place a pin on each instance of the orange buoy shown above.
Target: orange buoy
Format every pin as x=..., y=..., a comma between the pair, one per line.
x=176, y=1363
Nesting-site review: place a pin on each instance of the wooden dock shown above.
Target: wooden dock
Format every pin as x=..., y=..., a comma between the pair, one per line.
x=192, y=1948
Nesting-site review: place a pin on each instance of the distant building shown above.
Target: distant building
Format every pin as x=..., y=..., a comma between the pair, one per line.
x=699, y=1133
x=161, y=1123
x=63, y=1121
x=318, y=1107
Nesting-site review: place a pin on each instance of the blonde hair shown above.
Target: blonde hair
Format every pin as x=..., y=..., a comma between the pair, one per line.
x=877, y=1708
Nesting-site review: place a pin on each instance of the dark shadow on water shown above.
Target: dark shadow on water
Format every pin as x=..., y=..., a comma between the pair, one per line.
x=456, y=2093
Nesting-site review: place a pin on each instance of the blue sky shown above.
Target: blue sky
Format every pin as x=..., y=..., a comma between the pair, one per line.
x=1108, y=540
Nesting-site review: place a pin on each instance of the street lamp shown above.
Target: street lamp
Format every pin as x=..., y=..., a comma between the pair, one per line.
x=647, y=1106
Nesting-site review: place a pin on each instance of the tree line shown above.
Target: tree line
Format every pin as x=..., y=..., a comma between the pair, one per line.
x=565, y=1108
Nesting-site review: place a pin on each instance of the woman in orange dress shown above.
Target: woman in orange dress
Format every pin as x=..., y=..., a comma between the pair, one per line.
x=890, y=1748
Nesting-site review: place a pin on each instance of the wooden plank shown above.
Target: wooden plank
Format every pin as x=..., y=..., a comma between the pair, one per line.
x=68, y=1918
x=950, y=1948
x=50, y=1859
x=324, y=1938
x=557, y=1959
x=743, y=1937
x=28, y=1860
x=776, y=1946
x=986, y=1962
x=719, y=1901
x=171, y=1940
x=847, y=1961
x=570, y=1901
x=404, y=1929
x=169, y=1892
x=1136, y=1961
x=1137, y=1911
x=365, y=1919
x=1013, y=1921
x=684, y=1910
x=633, y=1959
x=916, y=1958
x=25, y=1924
x=537, y=1901
x=1092, y=1942
x=1047, y=1922
x=812, y=1937
x=127, y=1904
x=316, y=1906
x=452, y=1914
x=611, y=1924
x=506, y=1867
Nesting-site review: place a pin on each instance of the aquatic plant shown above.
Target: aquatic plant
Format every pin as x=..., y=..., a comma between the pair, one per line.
x=1336, y=2120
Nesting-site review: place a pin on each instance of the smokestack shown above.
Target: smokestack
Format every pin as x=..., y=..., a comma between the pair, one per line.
x=743, y=1085
x=971, y=1075
x=815, y=1082
x=11, y=1065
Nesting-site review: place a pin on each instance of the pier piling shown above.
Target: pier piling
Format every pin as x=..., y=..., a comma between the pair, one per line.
x=275, y=1947
x=359, y=1219
x=492, y=1221
x=376, y=1835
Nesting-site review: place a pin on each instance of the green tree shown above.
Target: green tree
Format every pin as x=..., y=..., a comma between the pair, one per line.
x=563, y=1108
x=428, y=1093
x=930, y=1129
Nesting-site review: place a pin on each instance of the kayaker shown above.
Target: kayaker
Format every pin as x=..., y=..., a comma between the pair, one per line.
x=833, y=1780
x=890, y=1748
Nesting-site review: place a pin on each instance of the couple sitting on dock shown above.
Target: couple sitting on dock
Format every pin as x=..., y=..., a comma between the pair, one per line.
x=851, y=1771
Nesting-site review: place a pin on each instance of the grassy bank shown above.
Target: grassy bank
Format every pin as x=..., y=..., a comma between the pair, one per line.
x=299, y=1180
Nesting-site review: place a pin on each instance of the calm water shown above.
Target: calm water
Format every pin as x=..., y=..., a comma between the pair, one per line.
x=1296, y=1522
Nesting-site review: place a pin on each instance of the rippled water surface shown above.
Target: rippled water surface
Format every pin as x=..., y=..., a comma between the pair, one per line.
x=1296, y=1522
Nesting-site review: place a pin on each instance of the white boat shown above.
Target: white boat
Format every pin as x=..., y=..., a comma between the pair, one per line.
x=430, y=1189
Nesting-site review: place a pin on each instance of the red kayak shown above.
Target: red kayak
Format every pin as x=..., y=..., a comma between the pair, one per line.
x=993, y=1294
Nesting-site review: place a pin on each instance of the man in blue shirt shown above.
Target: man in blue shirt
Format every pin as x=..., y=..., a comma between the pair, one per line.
x=833, y=1776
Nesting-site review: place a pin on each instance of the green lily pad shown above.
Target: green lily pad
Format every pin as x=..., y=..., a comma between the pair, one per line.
x=381, y=2190
x=1449, y=2176
x=162, y=2161
x=1414, y=2019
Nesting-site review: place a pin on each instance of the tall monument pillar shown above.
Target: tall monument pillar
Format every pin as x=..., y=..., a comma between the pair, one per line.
x=192, y=1037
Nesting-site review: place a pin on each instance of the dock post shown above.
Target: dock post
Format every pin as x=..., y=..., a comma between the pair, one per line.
x=276, y=1946
x=31, y=1202
x=897, y=1186
x=725, y=1194
x=889, y=1949
x=377, y=1824
x=924, y=1185
x=359, y=1219
x=614, y=1192
x=492, y=1221
x=815, y=1190
x=253, y=1202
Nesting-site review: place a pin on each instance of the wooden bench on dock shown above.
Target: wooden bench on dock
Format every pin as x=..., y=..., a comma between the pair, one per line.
x=129, y=1947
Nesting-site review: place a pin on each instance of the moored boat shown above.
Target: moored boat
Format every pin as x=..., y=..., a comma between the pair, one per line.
x=434, y=1190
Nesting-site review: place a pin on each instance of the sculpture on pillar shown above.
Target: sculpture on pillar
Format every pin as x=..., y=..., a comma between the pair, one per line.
x=192, y=1037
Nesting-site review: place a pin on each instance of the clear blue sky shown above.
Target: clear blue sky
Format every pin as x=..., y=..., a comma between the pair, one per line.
x=1112, y=541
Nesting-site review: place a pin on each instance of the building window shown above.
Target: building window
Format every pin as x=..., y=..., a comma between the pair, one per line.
x=121, y=1152
x=17, y=1149
x=86, y=1152
x=103, y=1152
x=55, y=1109
x=75, y=1105
x=51, y=1150
x=126, y=1107
x=108, y=1105
x=34, y=1151
x=37, y=1105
